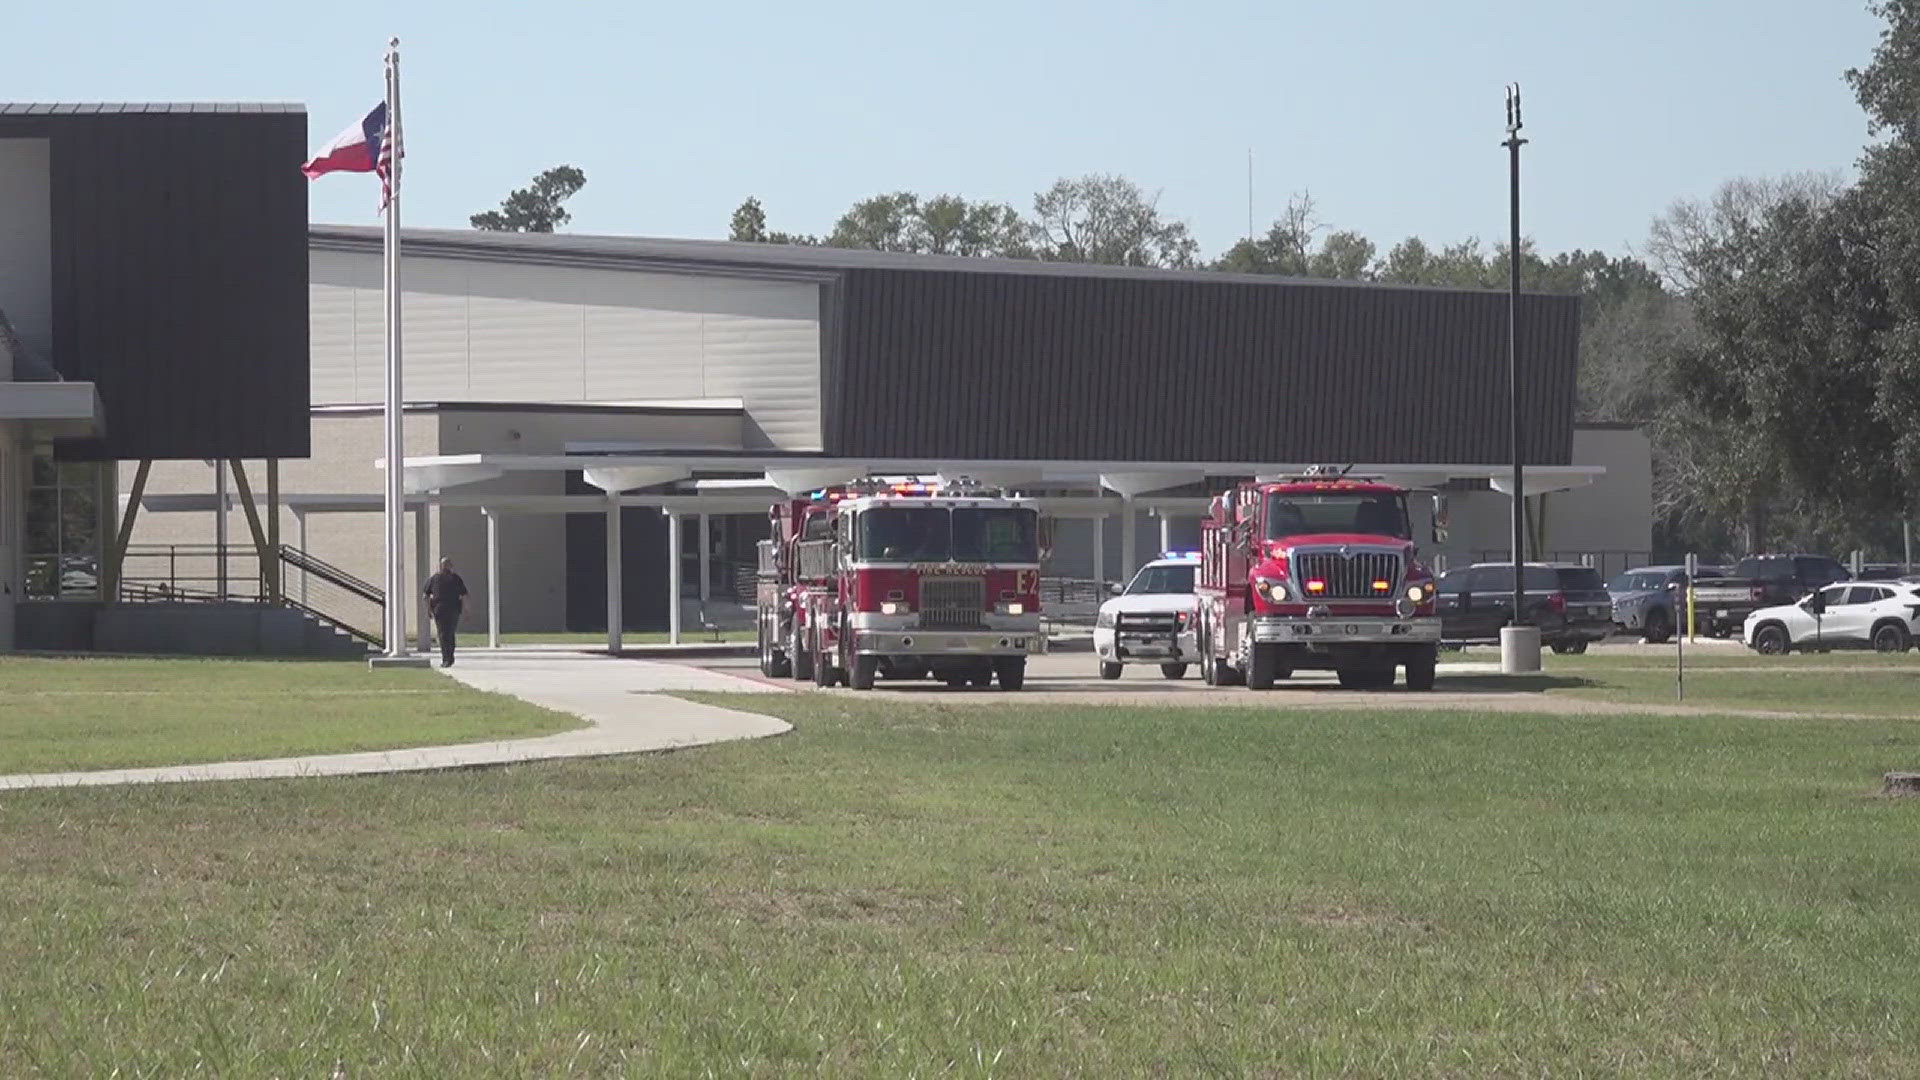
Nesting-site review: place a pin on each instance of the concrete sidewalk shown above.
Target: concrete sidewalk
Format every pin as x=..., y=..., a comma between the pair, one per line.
x=623, y=700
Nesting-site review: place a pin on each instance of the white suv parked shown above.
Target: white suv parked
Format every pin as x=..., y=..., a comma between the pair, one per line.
x=1880, y=615
x=1152, y=620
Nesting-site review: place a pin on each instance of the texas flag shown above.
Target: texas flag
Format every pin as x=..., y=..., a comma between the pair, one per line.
x=363, y=147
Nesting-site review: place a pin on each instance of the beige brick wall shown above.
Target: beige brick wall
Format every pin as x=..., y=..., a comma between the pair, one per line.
x=344, y=451
x=345, y=447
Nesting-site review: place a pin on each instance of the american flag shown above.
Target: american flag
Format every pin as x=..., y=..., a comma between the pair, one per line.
x=389, y=176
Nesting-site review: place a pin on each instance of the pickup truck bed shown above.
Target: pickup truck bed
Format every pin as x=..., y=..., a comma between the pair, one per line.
x=1721, y=605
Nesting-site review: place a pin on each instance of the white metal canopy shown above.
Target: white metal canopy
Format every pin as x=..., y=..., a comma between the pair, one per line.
x=1106, y=487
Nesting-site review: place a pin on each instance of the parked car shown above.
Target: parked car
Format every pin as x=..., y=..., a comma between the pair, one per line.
x=1649, y=601
x=1568, y=603
x=1883, y=616
x=1152, y=620
x=1758, y=581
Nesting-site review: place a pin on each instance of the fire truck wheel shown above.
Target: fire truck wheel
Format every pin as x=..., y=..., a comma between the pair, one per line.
x=1174, y=671
x=1420, y=670
x=983, y=679
x=1012, y=671
x=1109, y=670
x=773, y=662
x=802, y=659
x=860, y=677
x=1263, y=668
x=823, y=672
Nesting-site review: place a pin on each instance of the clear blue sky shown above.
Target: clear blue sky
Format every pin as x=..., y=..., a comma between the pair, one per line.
x=1388, y=111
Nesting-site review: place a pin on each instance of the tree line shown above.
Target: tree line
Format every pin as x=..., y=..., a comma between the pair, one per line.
x=1631, y=314
x=1767, y=337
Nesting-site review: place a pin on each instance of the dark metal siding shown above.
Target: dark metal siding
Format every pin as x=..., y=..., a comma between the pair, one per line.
x=1009, y=366
x=180, y=276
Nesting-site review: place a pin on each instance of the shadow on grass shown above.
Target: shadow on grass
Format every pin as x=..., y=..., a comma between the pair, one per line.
x=1514, y=684
x=1193, y=692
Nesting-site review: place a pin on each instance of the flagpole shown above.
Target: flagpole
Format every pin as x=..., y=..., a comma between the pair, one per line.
x=397, y=592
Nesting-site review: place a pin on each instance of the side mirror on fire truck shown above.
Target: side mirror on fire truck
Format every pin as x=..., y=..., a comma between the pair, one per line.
x=1440, y=518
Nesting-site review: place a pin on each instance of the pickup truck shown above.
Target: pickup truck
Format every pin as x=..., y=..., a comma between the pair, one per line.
x=1757, y=581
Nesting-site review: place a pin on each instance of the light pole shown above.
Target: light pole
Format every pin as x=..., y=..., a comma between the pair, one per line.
x=1519, y=643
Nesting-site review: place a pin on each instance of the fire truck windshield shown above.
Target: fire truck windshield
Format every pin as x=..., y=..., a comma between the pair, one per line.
x=1001, y=534
x=1303, y=513
x=929, y=534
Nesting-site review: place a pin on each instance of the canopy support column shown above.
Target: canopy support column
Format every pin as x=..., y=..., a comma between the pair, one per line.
x=422, y=569
x=493, y=577
x=1100, y=552
x=614, y=586
x=673, y=577
x=706, y=577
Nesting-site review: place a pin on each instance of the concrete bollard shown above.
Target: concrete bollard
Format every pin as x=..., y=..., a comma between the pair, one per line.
x=1519, y=650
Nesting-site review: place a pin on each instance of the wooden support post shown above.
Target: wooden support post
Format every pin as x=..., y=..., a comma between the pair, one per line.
x=117, y=558
x=253, y=519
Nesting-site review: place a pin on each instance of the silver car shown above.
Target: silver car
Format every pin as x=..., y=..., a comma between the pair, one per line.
x=1648, y=600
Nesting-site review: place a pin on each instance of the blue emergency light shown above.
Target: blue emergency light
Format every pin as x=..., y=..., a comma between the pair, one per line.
x=1189, y=555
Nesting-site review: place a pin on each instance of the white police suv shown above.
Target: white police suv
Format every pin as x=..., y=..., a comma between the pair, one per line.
x=1152, y=620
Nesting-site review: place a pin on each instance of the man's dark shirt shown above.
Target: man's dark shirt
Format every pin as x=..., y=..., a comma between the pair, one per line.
x=444, y=593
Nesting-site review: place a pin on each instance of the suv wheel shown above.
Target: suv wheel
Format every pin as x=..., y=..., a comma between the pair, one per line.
x=1770, y=640
x=1659, y=627
x=1109, y=670
x=1891, y=637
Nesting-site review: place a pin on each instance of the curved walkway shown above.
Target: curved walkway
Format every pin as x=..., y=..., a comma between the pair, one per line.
x=624, y=702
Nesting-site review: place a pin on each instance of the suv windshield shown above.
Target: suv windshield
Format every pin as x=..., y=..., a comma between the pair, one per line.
x=1580, y=579
x=1376, y=513
x=1162, y=579
x=937, y=534
x=1637, y=582
x=1771, y=569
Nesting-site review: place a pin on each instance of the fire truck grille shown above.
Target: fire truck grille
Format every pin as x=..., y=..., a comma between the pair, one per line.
x=1348, y=577
x=952, y=603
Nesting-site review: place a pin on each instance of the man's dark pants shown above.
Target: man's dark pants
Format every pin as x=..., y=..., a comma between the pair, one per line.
x=446, y=622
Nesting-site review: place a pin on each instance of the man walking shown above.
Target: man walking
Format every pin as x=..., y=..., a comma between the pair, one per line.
x=446, y=602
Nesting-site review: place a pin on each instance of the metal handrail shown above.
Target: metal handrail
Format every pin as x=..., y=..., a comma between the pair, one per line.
x=348, y=589
x=300, y=560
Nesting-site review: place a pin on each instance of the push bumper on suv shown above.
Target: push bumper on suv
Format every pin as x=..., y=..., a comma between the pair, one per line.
x=1179, y=647
x=1346, y=630
x=1158, y=637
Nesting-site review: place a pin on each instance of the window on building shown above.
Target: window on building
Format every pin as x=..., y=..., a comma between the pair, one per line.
x=63, y=529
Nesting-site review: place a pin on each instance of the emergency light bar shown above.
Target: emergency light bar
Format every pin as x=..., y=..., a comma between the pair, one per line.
x=1189, y=555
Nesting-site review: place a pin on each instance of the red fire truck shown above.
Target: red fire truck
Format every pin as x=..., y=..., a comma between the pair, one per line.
x=1316, y=572
x=901, y=580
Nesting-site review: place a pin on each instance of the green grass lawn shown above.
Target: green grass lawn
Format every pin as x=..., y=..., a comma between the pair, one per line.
x=58, y=715
x=911, y=888
x=1835, y=684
